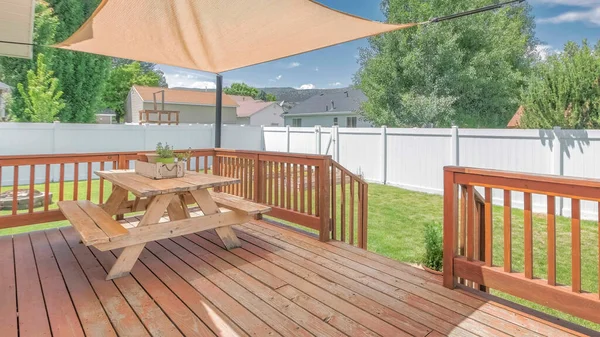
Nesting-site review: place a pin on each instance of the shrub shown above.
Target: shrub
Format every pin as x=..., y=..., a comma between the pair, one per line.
x=433, y=258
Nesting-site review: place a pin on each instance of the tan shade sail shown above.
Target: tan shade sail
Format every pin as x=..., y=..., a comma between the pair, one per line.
x=216, y=35
x=16, y=26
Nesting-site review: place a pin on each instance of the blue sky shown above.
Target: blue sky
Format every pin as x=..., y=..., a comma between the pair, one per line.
x=557, y=21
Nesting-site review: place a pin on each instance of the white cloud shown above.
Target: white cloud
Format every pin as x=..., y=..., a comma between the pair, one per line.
x=544, y=50
x=203, y=85
x=589, y=16
x=335, y=84
x=278, y=77
x=579, y=3
x=307, y=86
x=293, y=65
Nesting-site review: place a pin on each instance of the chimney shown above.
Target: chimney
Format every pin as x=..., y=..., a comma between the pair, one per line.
x=332, y=105
x=327, y=108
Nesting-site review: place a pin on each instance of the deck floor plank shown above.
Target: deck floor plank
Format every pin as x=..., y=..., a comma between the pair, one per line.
x=279, y=283
x=8, y=288
x=452, y=311
x=33, y=319
x=92, y=316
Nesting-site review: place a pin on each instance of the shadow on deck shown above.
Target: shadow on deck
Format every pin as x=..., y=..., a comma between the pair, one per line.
x=279, y=283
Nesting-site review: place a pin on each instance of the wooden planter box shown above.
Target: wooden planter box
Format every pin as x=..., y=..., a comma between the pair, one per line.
x=160, y=170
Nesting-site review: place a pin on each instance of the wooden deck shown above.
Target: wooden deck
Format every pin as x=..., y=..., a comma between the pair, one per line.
x=280, y=283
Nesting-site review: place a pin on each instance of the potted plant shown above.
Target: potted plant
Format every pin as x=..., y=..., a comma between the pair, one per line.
x=164, y=163
x=434, y=252
x=165, y=153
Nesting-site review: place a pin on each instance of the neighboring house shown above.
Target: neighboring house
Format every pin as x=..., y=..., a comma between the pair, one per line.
x=516, y=120
x=194, y=106
x=257, y=112
x=340, y=108
x=4, y=92
x=106, y=116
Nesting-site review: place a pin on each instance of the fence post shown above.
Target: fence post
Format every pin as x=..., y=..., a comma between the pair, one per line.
x=384, y=154
x=336, y=143
x=287, y=138
x=317, y=139
x=263, y=145
x=325, y=196
x=454, y=151
x=557, y=164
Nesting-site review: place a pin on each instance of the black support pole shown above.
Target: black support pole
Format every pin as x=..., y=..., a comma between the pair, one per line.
x=219, y=111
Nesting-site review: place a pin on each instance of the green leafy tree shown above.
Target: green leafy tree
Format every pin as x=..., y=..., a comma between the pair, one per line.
x=564, y=90
x=241, y=89
x=14, y=70
x=120, y=81
x=478, y=62
x=146, y=67
x=82, y=76
x=42, y=98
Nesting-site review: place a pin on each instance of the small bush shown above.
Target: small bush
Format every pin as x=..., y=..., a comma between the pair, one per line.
x=433, y=258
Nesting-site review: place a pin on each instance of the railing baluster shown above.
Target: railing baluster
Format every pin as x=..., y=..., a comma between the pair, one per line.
x=528, y=225
x=489, y=228
x=317, y=189
x=101, y=193
x=551, y=220
x=276, y=183
x=205, y=168
x=302, y=188
x=333, y=203
x=31, y=186
x=46, y=186
x=507, y=232
x=295, y=189
x=76, y=181
x=15, y=190
x=359, y=226
x=462, y=230
x=282, y=184
x=270, y=180
x=89, y=181
x=61, y=182
x=365, y=214
x=309, y=189
x=576, y=245
x=288, y=186
x=343, y=206
x=470, y=222
x=351, y=225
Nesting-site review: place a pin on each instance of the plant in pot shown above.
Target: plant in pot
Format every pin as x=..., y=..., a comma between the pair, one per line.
x=434, y=253
x=165, y=154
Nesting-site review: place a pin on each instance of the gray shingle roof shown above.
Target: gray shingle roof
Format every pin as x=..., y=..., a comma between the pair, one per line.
x=342, y=101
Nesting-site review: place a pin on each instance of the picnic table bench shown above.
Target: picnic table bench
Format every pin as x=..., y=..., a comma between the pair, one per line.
x=97, y=228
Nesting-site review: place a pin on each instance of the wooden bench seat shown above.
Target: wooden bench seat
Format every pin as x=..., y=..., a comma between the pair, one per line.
x=92, y=223
x=238, y=203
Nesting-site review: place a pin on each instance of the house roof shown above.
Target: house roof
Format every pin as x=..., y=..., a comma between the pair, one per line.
x=249, y=108
x=349, y=100
x=514, y=122
x=183, y=96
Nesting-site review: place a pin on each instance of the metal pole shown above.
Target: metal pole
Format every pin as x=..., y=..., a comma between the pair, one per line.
x=219, y=111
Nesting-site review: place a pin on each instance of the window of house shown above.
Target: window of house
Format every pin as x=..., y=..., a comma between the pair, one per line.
x=296, y=122
x=351, y=122
x=335, y=121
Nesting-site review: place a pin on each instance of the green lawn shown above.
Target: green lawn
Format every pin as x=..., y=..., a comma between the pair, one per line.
x=396, y=221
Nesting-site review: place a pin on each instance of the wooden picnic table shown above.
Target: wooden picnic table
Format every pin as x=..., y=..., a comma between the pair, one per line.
x=96, y=226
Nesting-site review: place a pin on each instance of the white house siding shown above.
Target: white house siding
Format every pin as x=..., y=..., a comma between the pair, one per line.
x=196, y=114
x=269, y=116
x=243, y=120
x=309, y=120
x=133, y=106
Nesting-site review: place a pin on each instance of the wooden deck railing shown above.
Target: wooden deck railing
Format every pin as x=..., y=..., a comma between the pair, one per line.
x=301, y=189
x=469, y=238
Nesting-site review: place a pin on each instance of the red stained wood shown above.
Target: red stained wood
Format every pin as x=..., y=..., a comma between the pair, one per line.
x=528, y=237
x=551, y=220
x=76, y=181
x=8, y=295
x=46, y=187
x=489, y=228
x=507, y=232
x=576, y=246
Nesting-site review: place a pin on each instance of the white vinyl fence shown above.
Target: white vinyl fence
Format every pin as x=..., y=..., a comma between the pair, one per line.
x=407, y=158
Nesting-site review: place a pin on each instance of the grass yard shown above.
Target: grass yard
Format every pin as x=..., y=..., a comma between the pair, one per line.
x=397, y=219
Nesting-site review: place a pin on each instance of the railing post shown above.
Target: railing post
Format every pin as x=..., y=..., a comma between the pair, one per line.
x=324, y=206
x=450, y=228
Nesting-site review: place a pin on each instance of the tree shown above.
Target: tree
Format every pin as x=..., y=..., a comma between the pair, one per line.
x=14, y=70
x=42, y=98
x=564, y=90
x=242, y=89
x=146, y=67
x=82, y=76
x=477, y=62
x=120, y=81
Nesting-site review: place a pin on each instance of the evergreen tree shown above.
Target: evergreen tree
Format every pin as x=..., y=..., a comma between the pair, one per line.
x=564, y=90
x=477, y=62
x=81, y=76
x=41, y=96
